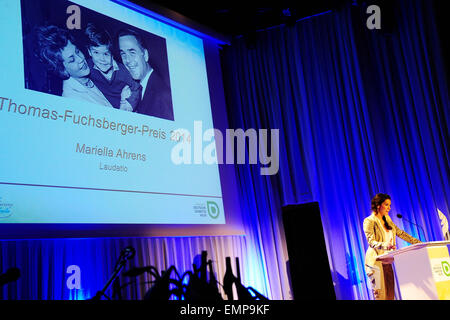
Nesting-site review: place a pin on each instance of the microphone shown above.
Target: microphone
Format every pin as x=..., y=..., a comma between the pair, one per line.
x=12, y=274
x=129, y=252
x=401, y=217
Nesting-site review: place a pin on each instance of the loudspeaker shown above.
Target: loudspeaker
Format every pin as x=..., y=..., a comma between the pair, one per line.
x=308, y=260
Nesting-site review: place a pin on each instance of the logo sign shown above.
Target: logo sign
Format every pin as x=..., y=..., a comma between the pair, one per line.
x=445, y=268
x=5, y=208
x=213, y=209
x=441, y=269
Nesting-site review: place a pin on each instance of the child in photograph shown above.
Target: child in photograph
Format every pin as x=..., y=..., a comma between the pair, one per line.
x=111, y=77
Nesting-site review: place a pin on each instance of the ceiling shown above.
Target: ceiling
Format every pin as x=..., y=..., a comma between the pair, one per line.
x=233, y=18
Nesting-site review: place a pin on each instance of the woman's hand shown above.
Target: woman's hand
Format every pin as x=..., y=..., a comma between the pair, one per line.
x=125, y=105
x=389, y=246
x=126, y=93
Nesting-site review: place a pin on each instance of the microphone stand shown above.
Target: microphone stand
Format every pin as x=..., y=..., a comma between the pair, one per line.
x=123, y=258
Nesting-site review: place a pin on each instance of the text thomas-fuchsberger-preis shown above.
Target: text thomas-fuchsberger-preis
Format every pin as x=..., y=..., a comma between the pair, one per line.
x=8, y=105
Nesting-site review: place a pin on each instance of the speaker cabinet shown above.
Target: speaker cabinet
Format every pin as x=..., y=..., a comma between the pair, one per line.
x=308, y=261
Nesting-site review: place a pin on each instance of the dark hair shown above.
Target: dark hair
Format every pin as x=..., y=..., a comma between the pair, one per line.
x=50, y=41
x=376, y=202
x=97, y=37
x=131, y=32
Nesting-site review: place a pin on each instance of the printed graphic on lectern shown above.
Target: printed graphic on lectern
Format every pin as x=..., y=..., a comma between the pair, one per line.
x=441, y=269
x=446, y=268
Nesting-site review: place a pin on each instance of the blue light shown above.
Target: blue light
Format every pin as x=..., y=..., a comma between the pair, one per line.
x=171, y=22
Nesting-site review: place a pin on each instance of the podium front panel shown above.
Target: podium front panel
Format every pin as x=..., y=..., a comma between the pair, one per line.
x=424, y=274
x=414, y=276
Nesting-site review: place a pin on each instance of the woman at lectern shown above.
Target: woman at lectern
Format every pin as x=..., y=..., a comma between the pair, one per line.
x=57, y=49
x=381, y=235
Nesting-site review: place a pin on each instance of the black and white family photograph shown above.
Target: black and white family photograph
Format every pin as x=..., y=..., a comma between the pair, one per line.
x=103, y=61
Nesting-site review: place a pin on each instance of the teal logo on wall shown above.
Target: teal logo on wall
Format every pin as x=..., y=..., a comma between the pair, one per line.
x=213, y=209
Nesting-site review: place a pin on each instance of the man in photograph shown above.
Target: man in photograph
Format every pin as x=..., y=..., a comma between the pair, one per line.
x=156, y=97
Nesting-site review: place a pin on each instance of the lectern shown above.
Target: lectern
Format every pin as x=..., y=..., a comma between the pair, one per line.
x=422, y=270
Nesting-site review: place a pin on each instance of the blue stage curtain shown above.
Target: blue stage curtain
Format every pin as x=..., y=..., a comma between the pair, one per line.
x=359, y=112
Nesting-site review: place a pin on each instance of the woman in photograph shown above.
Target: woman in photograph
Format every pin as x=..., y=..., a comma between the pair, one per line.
x=381, y=235
x=57, y=49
